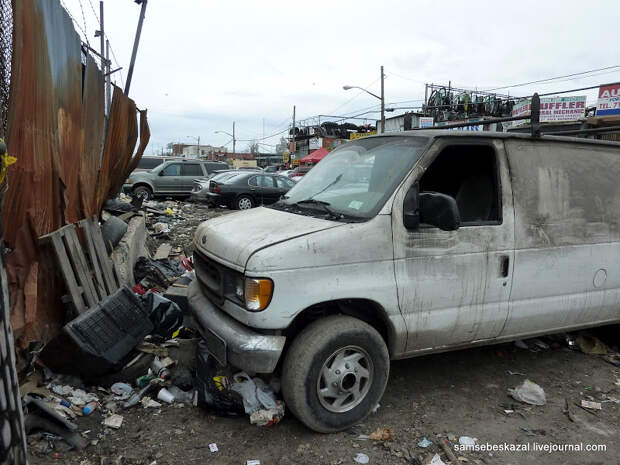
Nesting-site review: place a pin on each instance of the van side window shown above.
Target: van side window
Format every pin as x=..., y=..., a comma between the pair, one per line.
x=469, y=174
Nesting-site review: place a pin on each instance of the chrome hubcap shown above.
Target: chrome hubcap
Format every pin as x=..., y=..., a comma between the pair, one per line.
x=345, y=379
x=245, y=204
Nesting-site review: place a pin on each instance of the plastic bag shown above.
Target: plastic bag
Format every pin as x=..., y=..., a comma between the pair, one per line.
x=162, y=272
x=165, y=315
x=255, y=393
x=211, y=395
x=529, y=392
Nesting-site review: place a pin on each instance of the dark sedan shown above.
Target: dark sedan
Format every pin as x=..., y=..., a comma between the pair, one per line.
x=243, y=191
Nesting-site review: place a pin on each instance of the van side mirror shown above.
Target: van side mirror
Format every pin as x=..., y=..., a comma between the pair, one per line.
x=439, y=210
x=161, y=173
x=411, y=208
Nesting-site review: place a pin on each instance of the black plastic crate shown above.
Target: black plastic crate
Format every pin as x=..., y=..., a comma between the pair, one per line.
x=98, y=340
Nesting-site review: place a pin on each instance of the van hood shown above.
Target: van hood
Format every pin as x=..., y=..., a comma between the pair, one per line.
x=233, y=238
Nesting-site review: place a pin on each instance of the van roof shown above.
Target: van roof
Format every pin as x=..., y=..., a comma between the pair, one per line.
x=441, y=133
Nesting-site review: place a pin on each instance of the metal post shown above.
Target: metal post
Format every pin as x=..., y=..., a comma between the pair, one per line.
x=108, y=77
x=135, y=45
x=294, y=147
x=198, y=149
x=382, y=103
x=234, y=140
x=425, y=98
x=102, y=36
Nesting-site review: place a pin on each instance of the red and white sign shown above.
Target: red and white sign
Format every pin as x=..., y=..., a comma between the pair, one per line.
x=608, y=100
x=554, y=108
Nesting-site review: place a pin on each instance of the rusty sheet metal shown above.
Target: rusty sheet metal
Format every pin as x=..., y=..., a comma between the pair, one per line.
x=132, y=163
x=121, y=138
x=55, y=128
x=91, y=143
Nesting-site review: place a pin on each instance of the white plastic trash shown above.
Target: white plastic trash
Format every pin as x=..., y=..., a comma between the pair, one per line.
x=361, y=458
x=467, y=441
x=165, y=395
x=529, y=392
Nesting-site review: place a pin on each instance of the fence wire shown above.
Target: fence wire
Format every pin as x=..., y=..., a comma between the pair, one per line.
x=6, y=48
x=12, y=439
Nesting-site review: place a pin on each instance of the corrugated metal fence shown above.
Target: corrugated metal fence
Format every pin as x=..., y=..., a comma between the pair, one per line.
x=66, y=166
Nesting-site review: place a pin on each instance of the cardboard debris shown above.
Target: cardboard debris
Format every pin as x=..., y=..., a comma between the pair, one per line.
x=163, y=251
x=592, y=405
x=382, y=434
x=113, y=421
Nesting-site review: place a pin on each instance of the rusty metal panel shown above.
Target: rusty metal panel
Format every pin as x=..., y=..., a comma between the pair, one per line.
x=120, y=142
x=93, y=109
x=45, y=133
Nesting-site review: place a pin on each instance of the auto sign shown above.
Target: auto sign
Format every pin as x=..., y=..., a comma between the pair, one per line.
x=608, y=100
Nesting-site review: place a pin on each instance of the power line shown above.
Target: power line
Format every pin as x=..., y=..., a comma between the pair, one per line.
x=554, y=78
x=405, y=78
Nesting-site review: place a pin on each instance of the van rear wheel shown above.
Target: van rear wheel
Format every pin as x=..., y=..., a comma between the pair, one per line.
x=334, y=373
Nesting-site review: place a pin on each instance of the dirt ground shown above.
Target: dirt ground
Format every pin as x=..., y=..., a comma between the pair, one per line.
x=462, y=393
x=455, y=394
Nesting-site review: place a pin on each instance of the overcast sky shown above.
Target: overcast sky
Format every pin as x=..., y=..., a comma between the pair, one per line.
x=203, y=64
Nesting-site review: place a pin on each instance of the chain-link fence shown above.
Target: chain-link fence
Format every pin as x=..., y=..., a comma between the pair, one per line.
x=12, y=439
x=6, y=46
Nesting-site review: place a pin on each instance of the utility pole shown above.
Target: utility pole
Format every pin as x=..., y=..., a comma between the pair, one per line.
x=135, y=45
x=294, y=147
x=425, y=98
x=101, y=36
x=108, y=84
x=234, y=140
x=382, y=103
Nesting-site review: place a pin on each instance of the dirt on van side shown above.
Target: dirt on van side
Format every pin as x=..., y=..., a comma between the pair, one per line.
x=437, y=397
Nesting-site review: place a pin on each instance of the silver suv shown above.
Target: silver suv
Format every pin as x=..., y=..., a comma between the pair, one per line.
x=172, y=178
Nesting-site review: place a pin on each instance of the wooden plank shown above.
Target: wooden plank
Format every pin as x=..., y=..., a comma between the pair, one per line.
x=55, y=239
x=80, y=265
x=110, y=279
x=99, y=282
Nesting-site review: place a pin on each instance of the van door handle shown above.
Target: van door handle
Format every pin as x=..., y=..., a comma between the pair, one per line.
x=504, y=266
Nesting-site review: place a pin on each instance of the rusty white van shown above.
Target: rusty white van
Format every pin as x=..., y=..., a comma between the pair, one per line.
x=401, y=245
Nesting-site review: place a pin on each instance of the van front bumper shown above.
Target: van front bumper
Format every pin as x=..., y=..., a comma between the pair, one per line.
x=231, y=342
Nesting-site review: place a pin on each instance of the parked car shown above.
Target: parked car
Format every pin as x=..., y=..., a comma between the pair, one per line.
x=172, y=178
x=297, y=173
x=242, y=190
x=147, y=163
x=271, y=169
x=446, y=240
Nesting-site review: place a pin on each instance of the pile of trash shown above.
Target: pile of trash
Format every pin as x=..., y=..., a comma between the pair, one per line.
x=134, y=348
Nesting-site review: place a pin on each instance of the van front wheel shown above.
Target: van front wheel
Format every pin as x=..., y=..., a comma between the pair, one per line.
x=334, y=373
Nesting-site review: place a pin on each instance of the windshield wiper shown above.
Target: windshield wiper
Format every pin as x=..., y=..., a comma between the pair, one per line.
x=321, y=203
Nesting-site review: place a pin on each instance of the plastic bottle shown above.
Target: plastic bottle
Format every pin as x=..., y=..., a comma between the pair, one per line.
x=90, y=408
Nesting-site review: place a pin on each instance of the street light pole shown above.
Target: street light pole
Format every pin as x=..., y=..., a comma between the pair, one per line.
x=234, y=140
x=382, y=98
x=382, y=103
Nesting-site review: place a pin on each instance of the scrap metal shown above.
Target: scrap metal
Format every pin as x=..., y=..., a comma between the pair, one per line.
x=65, y=171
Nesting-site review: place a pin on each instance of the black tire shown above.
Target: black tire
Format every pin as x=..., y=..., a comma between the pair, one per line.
x=244, y=202
x=311, y=350
x=143, y=192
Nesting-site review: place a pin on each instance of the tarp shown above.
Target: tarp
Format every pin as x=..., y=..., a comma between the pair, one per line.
x=314, y=157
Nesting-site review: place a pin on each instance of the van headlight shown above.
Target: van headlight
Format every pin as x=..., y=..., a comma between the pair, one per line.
x=257, y=293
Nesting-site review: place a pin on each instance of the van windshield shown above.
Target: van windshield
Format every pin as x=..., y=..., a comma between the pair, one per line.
x=355, y=180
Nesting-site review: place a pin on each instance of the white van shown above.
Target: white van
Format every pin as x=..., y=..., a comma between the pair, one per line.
x=407, y=244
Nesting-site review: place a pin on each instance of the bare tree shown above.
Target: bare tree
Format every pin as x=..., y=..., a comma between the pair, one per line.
x=253, y=147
